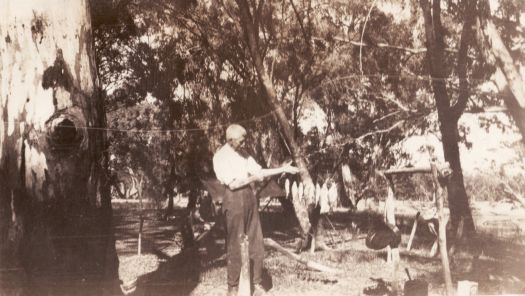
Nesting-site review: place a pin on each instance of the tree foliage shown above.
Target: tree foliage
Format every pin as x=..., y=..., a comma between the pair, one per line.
x=363, y=63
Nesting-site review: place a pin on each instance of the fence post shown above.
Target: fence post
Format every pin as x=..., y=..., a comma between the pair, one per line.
x=390, y=218
x=141, y=218
x=442, y=229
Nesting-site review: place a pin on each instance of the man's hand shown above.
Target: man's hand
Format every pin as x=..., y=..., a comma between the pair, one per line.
x=288, y=168
x=259, y=175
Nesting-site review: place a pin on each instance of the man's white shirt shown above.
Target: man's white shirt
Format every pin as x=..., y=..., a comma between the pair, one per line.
x=230, y=165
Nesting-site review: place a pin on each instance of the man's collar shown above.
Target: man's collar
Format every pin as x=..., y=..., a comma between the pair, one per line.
x=240, y=153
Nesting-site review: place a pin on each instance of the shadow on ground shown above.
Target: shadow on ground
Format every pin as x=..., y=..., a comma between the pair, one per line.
x=497, y=269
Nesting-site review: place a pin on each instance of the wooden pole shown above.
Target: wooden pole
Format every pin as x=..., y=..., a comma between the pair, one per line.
x=141, y=218
x=139, y=251
x=442, y=230
x=390, y=218
x=244, y=279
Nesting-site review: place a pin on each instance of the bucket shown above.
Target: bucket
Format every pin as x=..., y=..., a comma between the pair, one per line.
x=415, y=287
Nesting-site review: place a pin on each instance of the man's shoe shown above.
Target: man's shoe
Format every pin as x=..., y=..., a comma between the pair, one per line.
x=232, y=291
x=258, y=290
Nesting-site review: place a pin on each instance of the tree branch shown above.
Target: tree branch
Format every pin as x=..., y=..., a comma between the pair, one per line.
x=517, y=195
x=383, y=131
x=493, y=109
x=465, y=42
x=386, y=45
x=363, y=35
x=300, y=21
x=386, y=116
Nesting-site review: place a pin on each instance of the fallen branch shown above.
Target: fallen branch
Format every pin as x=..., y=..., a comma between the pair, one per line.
x=518, y=196
x=384, y=45
x=268, y=242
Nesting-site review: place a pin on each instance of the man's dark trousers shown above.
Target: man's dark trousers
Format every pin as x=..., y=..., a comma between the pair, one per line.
x=242, y=217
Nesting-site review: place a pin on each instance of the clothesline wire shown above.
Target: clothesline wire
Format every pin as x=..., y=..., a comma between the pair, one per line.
x=257, y=118
x=331, y=81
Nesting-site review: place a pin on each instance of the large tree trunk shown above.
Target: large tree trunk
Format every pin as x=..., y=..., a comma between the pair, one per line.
x=507, y=78
x=55, y=207
x=448, y=115
x=457, y=195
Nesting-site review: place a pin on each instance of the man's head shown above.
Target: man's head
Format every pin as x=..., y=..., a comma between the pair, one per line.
x=235, y=135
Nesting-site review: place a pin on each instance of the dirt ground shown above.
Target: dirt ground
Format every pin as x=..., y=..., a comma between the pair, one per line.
x=162, y=269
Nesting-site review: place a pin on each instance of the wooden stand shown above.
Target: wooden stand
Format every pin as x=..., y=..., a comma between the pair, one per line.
x=141, y=218
x=437, y=172
x=390, y=218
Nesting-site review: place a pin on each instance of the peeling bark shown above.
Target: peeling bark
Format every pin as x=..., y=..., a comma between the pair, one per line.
x=55, y=210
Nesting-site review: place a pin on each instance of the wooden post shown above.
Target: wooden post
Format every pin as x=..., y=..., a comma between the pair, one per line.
x=442, y=230
x=315, y=228
x=141, y=218
x=244, y=279
x=139, y=251
x=390, y=218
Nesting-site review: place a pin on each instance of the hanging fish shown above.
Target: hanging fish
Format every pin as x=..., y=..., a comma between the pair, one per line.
x=333, y=195
x=317, y=193
x=287, y=187
x=294, y=191
x=325, y=205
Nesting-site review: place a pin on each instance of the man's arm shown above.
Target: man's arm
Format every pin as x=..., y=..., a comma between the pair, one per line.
x=261, y=174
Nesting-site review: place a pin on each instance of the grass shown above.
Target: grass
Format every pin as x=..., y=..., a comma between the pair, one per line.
x=165, y=271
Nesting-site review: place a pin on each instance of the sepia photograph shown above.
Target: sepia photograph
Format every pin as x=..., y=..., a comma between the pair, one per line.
x=262, y=147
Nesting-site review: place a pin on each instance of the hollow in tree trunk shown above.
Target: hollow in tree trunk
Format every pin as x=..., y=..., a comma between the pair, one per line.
x=55, y=208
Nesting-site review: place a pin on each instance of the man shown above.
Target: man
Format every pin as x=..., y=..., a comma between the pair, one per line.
x=236, y=171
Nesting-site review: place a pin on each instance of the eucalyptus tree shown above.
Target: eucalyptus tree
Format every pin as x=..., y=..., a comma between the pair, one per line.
x=366, y=67
x=500, y=40
x=55, y=221
x=441, y=67
x=156, y=107
x=451, y=25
